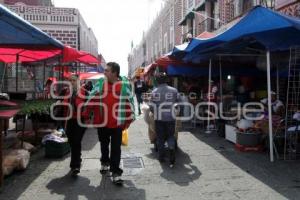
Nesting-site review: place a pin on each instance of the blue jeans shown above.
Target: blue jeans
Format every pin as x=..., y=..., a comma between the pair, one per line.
x=165, y=131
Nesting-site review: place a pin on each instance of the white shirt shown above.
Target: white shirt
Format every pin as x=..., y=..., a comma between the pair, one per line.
x=275, y=104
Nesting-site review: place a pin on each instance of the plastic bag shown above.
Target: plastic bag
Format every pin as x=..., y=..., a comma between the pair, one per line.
x=15, y=160
x=9, y=164
x=27, y=146
x=125, y=137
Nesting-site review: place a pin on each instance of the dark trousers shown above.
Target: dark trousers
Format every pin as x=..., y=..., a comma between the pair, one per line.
x=114, y=137
x=139, y=101
x=165, y=131
x=75, y=134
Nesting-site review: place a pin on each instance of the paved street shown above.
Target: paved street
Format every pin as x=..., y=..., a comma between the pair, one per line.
x=207, y=167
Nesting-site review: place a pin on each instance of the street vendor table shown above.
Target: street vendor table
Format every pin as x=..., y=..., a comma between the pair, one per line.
x=4, y=115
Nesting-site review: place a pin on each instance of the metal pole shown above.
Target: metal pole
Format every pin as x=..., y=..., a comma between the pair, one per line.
x=17, y=69
x=270, y=107
x=34, y=82
x=44, y=75
x=221, y=84
x=277, y=82
x=208, y=131
x=3, y=76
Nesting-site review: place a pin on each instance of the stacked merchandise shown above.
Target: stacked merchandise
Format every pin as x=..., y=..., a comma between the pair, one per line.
x=56, y=144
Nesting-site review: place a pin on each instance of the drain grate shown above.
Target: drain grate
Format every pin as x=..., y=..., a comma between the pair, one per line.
x=132, y=162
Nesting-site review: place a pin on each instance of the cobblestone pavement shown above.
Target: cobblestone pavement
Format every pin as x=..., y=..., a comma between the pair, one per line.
x=207, y=167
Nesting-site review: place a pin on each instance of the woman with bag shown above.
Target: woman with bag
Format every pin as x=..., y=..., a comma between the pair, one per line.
x=75, y=99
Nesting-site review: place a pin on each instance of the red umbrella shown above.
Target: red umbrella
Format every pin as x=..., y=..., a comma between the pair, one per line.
x=72, y=55
x=90, y=75
x=30, y=54
x=206, y=35
x=7, y=103
x=149, y=68
x=88, y=59
x=165, y=60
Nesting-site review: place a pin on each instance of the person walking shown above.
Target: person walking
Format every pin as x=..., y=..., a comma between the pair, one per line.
x=74, y=130
x=115, y=114
x=162, y=104
x=139, y=88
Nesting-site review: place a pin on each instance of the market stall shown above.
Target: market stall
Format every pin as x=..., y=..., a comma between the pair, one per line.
x=258, y=34
x=22, y=42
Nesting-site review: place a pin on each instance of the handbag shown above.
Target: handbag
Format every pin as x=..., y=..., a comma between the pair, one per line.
x=125, y=137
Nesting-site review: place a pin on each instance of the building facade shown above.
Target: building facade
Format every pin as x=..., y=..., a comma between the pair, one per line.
x=178, y=18
x=30, y=2
x=65, y=24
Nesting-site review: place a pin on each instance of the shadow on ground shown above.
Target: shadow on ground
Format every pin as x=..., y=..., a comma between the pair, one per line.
x=17, y=183
x=90, y=139
x=281, y=176
x=183, y=172
x=76, y=188
x=73, y=188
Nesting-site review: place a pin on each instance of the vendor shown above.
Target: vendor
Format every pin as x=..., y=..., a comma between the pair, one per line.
x=277, y=105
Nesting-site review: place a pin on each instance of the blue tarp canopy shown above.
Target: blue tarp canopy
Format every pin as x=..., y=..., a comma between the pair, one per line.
x=193, y=71
x=261, y=28
x=15, y=31
x=99, y=69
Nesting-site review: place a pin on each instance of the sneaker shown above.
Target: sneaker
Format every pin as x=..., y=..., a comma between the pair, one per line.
x=104, y=169
x=117, y=180
x=74, y=172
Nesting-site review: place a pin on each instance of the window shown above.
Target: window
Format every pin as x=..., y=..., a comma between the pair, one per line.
x=171, y=38
x=165, y=49
x=155, y=49
x=216, y=15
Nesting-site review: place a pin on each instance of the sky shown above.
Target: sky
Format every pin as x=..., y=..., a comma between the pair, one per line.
x=116, y=23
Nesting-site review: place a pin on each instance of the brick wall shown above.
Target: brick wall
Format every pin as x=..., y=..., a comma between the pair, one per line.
x=67, y=37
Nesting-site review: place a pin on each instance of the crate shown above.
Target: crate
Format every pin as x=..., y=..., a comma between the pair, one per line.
x=258, y=148
x=248, y=139
x=56, y=149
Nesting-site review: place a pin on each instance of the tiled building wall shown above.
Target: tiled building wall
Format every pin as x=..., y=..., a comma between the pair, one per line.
x=177, y=17
x=291, y=9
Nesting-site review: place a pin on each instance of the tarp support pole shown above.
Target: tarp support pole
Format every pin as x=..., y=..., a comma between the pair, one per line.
x=3, y=75
x=277, y=82
x=34, y=81
x=270, y=107
x=221, y=82
x=17, y=69
x=208, y=131
x=44, y=75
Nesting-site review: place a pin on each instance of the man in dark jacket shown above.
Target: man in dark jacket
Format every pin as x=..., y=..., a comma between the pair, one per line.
x=139, y=88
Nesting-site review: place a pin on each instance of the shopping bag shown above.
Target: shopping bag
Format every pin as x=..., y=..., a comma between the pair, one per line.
x=125, y=137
